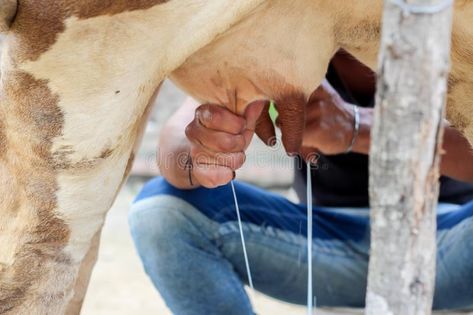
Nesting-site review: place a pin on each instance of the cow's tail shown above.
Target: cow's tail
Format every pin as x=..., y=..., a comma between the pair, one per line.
x=8, y=10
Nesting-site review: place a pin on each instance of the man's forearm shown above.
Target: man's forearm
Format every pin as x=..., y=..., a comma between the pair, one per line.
x=175, y=164
x=457, y=162
x=174, y=148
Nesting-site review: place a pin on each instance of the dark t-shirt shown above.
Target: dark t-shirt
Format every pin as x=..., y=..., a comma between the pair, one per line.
x=342, y=180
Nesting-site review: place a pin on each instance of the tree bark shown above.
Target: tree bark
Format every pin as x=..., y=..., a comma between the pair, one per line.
x=404, y=158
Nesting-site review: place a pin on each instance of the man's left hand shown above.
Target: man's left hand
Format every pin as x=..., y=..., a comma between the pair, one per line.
x=330, y=122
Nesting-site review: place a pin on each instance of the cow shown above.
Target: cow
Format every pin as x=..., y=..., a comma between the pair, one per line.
x=77, y=81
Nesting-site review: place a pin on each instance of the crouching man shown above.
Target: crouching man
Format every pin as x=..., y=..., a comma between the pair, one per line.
x=187, y=234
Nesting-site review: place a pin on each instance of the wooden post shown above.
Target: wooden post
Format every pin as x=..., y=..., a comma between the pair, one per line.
x=404, y=159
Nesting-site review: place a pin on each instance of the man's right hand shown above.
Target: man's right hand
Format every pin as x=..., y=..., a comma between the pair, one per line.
x=219, y=139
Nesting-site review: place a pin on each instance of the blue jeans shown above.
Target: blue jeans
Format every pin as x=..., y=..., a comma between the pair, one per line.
x=190, y=246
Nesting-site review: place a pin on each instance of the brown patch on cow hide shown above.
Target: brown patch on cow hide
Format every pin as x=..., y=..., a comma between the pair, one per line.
x=38, y=22
x=7, y=13
x=36, y=26
x=33, y=121
x=92, y=8
x=61, y=160
x=35, y=106
x=106, y=153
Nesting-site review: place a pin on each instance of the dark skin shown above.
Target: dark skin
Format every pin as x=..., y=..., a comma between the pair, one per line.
x=217, y=138
x=457, y=161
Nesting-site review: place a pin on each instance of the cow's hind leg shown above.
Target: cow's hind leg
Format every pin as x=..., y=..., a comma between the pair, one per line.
x=60, y=170
x=83, y=278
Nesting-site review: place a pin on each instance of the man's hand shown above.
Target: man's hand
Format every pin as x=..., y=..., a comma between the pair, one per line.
x=329, y=125
x=330, y=122
x=219, y=139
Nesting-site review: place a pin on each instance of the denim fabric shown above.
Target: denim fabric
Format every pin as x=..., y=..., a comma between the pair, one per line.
x=190, y=246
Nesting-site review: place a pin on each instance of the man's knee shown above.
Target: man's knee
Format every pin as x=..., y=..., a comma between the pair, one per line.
x=162, y=232
x=163, y=222
x=155, y=223
x=155, y=214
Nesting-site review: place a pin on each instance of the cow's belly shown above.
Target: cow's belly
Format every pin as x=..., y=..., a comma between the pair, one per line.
x=261, y=58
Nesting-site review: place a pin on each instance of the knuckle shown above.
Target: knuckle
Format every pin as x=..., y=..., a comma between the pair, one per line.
x=226, y=143
x=240, y=122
